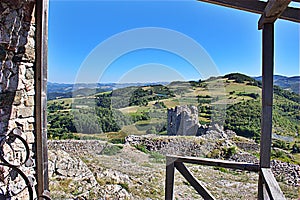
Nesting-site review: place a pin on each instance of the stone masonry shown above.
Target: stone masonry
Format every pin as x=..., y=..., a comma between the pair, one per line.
x=17, y=65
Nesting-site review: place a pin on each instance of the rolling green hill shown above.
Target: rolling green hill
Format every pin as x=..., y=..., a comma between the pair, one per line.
x=236, y=98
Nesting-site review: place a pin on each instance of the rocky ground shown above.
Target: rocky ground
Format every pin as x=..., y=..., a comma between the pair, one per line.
x=136, y=170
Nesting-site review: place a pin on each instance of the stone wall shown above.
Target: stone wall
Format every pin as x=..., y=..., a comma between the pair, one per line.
x=17, y=65
x=76, y=147
x=205, y=144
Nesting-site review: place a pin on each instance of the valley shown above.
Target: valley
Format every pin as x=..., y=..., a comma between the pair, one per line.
x=234, y=101
x=126, y=129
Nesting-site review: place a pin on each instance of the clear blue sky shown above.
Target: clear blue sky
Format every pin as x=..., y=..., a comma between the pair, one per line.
x=81, y=36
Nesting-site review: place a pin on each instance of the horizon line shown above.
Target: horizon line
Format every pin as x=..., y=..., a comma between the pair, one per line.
x=255, y=76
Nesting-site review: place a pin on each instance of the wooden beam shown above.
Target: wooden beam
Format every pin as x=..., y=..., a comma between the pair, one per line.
x=272, y=186
x=258, y=7
x=267, y=94
x=169, y=186
x=291, y=14
x=267, y=100
x=275, y=7
x=194, y=182
x=41, y=17
x=253, y=6
x=217, y=163
x=272, y=11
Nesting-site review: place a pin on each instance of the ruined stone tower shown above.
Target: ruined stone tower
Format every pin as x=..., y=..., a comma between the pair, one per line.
x=183, y=120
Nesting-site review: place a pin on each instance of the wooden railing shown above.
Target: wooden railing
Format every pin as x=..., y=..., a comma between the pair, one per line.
x=269, y=182
x=271, y=185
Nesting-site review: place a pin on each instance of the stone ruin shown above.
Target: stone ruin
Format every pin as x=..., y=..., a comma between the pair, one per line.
x=183, y=120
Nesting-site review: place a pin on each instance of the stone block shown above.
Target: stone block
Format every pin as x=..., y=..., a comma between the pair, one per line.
x=29, y=101
x=22, y=70
x=13, y=113
x=24, y=112
x=11, y=124
x=22, y=123
x=30, y=120
x=29, y=87
x=18, y=97
x=21, y=83
x=29, y=137
x=30, y=51
x=30, y=127
x=29, y=74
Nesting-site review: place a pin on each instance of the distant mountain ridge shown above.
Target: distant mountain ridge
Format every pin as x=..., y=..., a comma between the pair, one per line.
x=67, y=90
x=287, y=83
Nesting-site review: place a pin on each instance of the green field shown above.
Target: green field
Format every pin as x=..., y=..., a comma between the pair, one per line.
x=142, y=110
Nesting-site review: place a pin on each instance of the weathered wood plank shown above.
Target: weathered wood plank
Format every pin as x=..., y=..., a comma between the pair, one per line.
x=194, y=182
x=272, y=186
x=253, y=6
x=217, y=163
x=273, y=10
x=169, y=186
x=267, y=100
x=256, y=6
x=291, y=14
x=267, y=94
x=41, y=17
x=275, y=7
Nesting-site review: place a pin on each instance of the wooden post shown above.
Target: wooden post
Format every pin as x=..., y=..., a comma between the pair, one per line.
x=41, y=99
x=267, y=100
x=169, y=187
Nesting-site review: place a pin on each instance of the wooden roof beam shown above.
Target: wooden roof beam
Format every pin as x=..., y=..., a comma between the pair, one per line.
x=258, y=7
x=254, y=6
x=272, y=11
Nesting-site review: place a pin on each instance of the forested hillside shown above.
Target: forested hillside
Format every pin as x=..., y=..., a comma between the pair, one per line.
x=142, y=109
x=287, y=83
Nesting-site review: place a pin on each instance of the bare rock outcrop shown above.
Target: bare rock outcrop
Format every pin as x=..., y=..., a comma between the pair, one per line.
x=61, y=164
x=72, y=173
x=74, y=179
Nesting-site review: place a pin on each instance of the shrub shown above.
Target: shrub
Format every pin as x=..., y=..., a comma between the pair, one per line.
x=157, y=157
x=117, y=140
x=111, y=150
x=125, y=186
x=228, y=152
x=279, y=144
x=142, y=148
x=216, y=153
